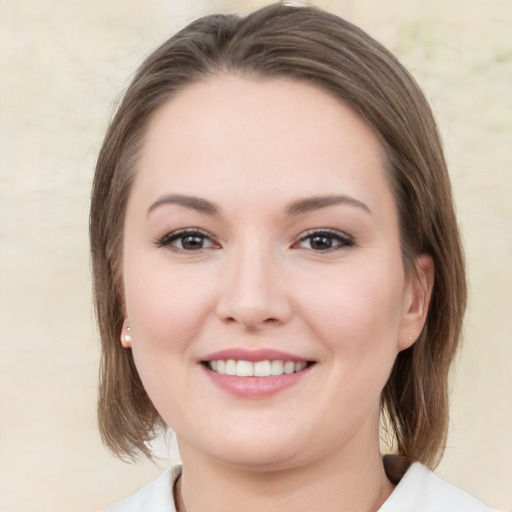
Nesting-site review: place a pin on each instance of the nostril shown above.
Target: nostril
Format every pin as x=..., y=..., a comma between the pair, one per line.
x=252, y=310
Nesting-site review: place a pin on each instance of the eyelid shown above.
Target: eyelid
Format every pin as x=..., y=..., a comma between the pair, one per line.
x=170, y=237
x=346, y=240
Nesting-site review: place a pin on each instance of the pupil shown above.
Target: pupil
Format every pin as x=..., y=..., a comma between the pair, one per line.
x=192, y=242
x=321, y=242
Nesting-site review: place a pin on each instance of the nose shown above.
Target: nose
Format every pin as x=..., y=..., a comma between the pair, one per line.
x=254, y=291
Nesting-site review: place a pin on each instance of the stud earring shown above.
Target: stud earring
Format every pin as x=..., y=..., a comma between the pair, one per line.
x=128, y=336
x=410, y=337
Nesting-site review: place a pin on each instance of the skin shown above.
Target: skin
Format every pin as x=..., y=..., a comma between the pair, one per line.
x=253, y=147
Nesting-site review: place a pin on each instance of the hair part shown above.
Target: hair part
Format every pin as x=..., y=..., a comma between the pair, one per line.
x=310, y=45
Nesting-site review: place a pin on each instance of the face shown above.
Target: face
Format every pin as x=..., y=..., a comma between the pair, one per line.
x=263, y=280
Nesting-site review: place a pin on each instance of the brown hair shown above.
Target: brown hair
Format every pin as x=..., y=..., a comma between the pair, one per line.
x=310, y=45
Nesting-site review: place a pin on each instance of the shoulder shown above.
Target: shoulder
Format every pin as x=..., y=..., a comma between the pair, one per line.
x=422, y=491
x=155, y=496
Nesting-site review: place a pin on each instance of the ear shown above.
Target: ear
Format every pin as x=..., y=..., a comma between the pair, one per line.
x=126, y=337
x=416, y=300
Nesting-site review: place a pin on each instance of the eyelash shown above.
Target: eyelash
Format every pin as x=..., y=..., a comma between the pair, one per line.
x=343, y=240
x=167, y=240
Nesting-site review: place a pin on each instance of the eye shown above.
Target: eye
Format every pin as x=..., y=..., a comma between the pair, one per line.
x=188, y=240
x=324, y=240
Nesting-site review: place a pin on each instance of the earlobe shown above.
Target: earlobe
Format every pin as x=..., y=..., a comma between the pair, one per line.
x=417, y=300
x=126, y=336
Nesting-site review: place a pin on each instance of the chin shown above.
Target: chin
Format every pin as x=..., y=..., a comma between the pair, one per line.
x=270, y=449
x=264, y=459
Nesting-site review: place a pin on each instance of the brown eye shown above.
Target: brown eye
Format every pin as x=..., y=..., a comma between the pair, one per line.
x=321, y=242
x=191, y=242
x=187, y=240
x=325, y=240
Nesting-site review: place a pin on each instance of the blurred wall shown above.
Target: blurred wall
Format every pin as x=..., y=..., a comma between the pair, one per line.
x=62, y=64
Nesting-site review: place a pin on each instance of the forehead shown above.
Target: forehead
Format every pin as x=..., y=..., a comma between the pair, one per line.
x=245, y=133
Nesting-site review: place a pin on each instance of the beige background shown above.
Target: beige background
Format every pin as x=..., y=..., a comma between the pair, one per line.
x=62, y=63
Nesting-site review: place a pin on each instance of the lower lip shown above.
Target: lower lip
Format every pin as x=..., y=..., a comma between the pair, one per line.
x=255, y=387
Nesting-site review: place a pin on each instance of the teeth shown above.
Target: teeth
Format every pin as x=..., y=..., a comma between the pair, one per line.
x=276, y=368
x=244, y=369
x=221, y=367
x=262, y=369
x=289, y=367
x=300, y=366
x=267, y=368
x=231, y=367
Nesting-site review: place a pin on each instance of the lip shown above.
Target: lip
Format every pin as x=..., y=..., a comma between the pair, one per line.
x=253, y=356
x=254, y=387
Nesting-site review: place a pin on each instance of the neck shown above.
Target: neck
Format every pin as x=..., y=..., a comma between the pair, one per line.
x=329, y=485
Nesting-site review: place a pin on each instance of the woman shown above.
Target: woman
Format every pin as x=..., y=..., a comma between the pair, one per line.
x=277, y=271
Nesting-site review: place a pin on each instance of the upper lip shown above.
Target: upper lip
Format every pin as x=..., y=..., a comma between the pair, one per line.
x=254, y=355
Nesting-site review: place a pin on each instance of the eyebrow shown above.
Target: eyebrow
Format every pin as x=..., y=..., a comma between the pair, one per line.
x=315, y=203
x=296, y=208
x=192, y=202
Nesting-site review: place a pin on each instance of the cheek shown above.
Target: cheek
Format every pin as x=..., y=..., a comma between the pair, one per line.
x=165, y=310
x=357, y=313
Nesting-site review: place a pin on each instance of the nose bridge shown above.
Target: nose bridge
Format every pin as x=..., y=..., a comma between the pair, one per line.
x=254, y=292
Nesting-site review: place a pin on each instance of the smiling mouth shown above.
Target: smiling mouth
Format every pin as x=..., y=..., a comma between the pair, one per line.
x=266, y=368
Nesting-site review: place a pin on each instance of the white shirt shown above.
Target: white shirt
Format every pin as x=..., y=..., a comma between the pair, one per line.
x=419, y=490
